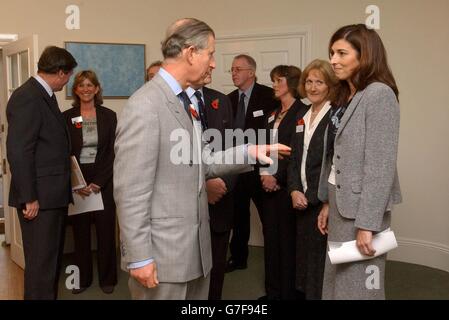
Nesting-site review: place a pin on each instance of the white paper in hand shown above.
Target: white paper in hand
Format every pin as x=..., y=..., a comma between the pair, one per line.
x=343, y=252
x=94, y=202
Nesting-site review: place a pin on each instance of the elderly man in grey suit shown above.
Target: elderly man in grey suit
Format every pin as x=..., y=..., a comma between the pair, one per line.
x=161, y=201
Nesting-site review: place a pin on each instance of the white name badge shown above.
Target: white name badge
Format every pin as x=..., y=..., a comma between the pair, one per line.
x=77, y=119
x=258, y=113
x=271, y=119
x=300, y=128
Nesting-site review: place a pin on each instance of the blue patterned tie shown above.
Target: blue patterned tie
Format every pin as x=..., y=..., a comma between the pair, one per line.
x=201, y=109
x=186, y=102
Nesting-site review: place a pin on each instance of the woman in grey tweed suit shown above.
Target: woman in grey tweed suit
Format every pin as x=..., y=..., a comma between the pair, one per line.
x=359, y=180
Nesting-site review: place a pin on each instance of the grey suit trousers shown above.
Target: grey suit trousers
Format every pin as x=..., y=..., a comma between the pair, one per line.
x=354, y=280
x=196, y=289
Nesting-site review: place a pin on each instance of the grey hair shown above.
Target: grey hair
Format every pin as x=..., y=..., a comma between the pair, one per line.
x=250, y=60
x=184, y=33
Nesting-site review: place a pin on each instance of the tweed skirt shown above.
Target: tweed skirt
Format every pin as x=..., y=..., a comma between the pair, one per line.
x=361, y=280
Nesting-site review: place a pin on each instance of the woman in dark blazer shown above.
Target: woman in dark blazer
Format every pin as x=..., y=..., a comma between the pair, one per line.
x=318, y=84
x=92, y=131
x=278, y=219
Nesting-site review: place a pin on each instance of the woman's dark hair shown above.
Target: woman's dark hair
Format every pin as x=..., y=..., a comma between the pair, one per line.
x=92, y=77
x=292, y=74
x=372, y=58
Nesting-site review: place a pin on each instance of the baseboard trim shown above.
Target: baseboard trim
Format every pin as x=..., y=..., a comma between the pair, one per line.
x=431, y=254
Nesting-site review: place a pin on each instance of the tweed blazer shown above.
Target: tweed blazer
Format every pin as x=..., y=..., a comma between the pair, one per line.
x=161, y=203
x=365, y=153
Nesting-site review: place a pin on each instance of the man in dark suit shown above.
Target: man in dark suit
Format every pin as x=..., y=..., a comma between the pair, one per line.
x=218, y=115
x=251, y=104
x=38, y=149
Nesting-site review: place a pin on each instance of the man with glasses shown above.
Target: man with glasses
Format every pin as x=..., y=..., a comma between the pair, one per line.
x=251, y=104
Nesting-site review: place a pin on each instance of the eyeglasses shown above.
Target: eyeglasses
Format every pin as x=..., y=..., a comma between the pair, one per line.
x=238, y=69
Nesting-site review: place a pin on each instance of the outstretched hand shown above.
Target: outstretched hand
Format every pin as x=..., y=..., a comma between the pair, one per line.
x=262, y=153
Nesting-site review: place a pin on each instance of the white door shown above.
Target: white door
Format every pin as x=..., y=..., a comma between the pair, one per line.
x=269, y=49
x=20, y=62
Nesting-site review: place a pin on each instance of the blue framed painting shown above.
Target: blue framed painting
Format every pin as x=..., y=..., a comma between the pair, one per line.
x=120, y=67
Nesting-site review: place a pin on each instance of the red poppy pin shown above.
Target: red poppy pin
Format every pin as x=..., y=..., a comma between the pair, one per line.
x=194, y=113
x=300, y=122
x=273, y=114
x=78, y=125
x=215, y=104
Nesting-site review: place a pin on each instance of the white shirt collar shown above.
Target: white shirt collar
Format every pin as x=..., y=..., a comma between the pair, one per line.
x=171, y=81
x=248, y=91
x=44, y=84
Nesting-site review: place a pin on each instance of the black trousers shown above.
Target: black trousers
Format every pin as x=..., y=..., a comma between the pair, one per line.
x=279, y=231
x=105, y=222
x=311, y=250
x=248, y=187
x=43, y=244
x=220, y=242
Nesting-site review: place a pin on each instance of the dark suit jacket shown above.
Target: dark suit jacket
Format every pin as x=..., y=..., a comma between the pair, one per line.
x=106, y=125
x=285, y=133
x=220, y=117
x=262, y=98
x=38, y=149
x=313, y=161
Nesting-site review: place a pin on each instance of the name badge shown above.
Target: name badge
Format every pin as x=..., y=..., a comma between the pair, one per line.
x=300, y=128
x=258, y=113
x=271, y=119
x=77, y=119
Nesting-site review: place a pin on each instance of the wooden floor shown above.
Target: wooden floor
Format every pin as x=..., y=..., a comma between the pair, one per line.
x=11, y=276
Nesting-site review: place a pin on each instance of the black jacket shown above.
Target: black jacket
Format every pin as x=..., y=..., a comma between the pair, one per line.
x=106, y=125
x=38, y=149
x=219, y=116
x=262, y=98
x=313, y=161
x=285, y=133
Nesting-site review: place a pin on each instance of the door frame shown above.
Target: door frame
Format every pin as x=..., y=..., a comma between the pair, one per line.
x=12, y=225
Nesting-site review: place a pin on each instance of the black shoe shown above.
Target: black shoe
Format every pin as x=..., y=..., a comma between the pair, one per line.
x=263, y=298
x=80, y=290
x=107, y=289
x=232, y=265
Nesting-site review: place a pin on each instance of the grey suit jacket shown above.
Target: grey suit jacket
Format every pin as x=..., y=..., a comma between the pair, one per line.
x=162, y=206
x=365, y=152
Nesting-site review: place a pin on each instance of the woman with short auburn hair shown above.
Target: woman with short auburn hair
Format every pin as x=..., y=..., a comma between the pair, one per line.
x=318, y=83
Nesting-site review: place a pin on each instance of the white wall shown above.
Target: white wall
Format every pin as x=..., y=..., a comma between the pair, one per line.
x=416, y=35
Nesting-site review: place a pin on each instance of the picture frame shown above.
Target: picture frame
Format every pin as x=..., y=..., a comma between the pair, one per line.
x=120, y=67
